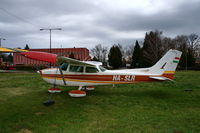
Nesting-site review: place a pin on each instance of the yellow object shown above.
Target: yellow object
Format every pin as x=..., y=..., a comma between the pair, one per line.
x=9, y=50
x=169, y=72
x=6, y=50
x=20, y=50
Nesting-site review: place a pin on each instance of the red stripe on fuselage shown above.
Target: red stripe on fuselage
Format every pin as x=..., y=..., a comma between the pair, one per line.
x=177, y=58
x=123, y=78
x=168, y=75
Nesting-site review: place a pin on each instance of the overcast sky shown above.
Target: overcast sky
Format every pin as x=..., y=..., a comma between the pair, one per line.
x=86, y=23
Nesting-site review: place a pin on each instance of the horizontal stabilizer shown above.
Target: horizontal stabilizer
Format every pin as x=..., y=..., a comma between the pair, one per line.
x=161, y=78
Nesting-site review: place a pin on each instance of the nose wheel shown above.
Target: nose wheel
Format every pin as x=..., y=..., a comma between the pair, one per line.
x=89, y=88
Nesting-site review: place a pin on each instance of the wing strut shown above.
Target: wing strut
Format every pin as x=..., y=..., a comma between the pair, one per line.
x=62, y=75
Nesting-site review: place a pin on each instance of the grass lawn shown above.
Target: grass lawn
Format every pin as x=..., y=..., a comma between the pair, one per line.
x=137, y=108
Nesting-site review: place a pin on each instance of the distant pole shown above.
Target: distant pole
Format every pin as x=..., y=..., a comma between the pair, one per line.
x=186, y=58
x=50, y=29
x=0, y=41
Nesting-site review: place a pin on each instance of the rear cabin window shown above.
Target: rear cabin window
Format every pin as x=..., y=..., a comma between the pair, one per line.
x=76, y=68
x=64, y=66
x=91, y=70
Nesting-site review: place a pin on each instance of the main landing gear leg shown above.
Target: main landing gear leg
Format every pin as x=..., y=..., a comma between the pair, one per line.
x=51, y=91
x=80, y=88
x=86, y=88
x=49, y=101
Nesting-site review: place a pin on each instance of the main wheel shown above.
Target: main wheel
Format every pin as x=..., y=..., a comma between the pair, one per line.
x=54, y=90
x=77, y=93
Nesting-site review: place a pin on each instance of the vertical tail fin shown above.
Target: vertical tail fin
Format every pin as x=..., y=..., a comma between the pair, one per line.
x=167, y=65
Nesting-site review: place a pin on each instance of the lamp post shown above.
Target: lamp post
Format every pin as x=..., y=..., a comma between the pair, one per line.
x=50, y=29
x=0, y=41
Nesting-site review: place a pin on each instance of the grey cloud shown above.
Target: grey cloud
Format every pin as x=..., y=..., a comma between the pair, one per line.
x=185, y=17
x=85, y=23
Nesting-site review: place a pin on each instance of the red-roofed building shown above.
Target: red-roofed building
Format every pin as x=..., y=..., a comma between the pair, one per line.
x=78, y=53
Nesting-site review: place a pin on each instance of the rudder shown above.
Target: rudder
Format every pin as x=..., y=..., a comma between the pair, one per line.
x=167, y=65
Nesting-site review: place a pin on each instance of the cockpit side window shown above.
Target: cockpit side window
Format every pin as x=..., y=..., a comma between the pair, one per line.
x=76, y=68
x=64, y=66
x=91, y=70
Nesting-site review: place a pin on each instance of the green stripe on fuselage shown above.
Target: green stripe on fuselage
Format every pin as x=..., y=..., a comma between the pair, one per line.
x=175, y=61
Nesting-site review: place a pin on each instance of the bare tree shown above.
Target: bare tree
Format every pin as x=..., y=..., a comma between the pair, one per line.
x=168, y=43
x=180, y=42
x=187, y=59
x=104, y=53
x=194, y=44
x=153, y=48
x=100, y=52
x=128, y=50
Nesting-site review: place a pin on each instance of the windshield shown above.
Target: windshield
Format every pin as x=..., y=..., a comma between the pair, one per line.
x=102, y=68
x=64, y=66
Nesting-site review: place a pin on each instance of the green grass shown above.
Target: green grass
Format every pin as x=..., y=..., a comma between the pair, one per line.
x=137, y=108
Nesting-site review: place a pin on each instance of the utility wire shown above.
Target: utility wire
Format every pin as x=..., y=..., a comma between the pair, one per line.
x=19, y=18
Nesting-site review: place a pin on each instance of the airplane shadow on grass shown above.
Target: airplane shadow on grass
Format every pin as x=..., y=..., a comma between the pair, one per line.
x=156, y=94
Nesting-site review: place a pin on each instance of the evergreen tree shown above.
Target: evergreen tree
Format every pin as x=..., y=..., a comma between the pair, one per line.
x=115, y=57
x=153, y=48
x=183, y=48
x=136, y=57
x=27, y=47
x=10, y=58
x=190, y=58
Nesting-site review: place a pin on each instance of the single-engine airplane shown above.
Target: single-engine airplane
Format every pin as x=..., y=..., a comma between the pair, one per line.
x=73, y=72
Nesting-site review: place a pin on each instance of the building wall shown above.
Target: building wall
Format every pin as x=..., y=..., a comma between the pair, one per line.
x=79, y=53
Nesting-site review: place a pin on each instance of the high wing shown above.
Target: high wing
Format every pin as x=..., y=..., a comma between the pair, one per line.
x=62, y=59
x=53, y=58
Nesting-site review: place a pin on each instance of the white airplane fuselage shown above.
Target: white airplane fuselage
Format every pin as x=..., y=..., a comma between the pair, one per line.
x=108, y=77
x=77, y=73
